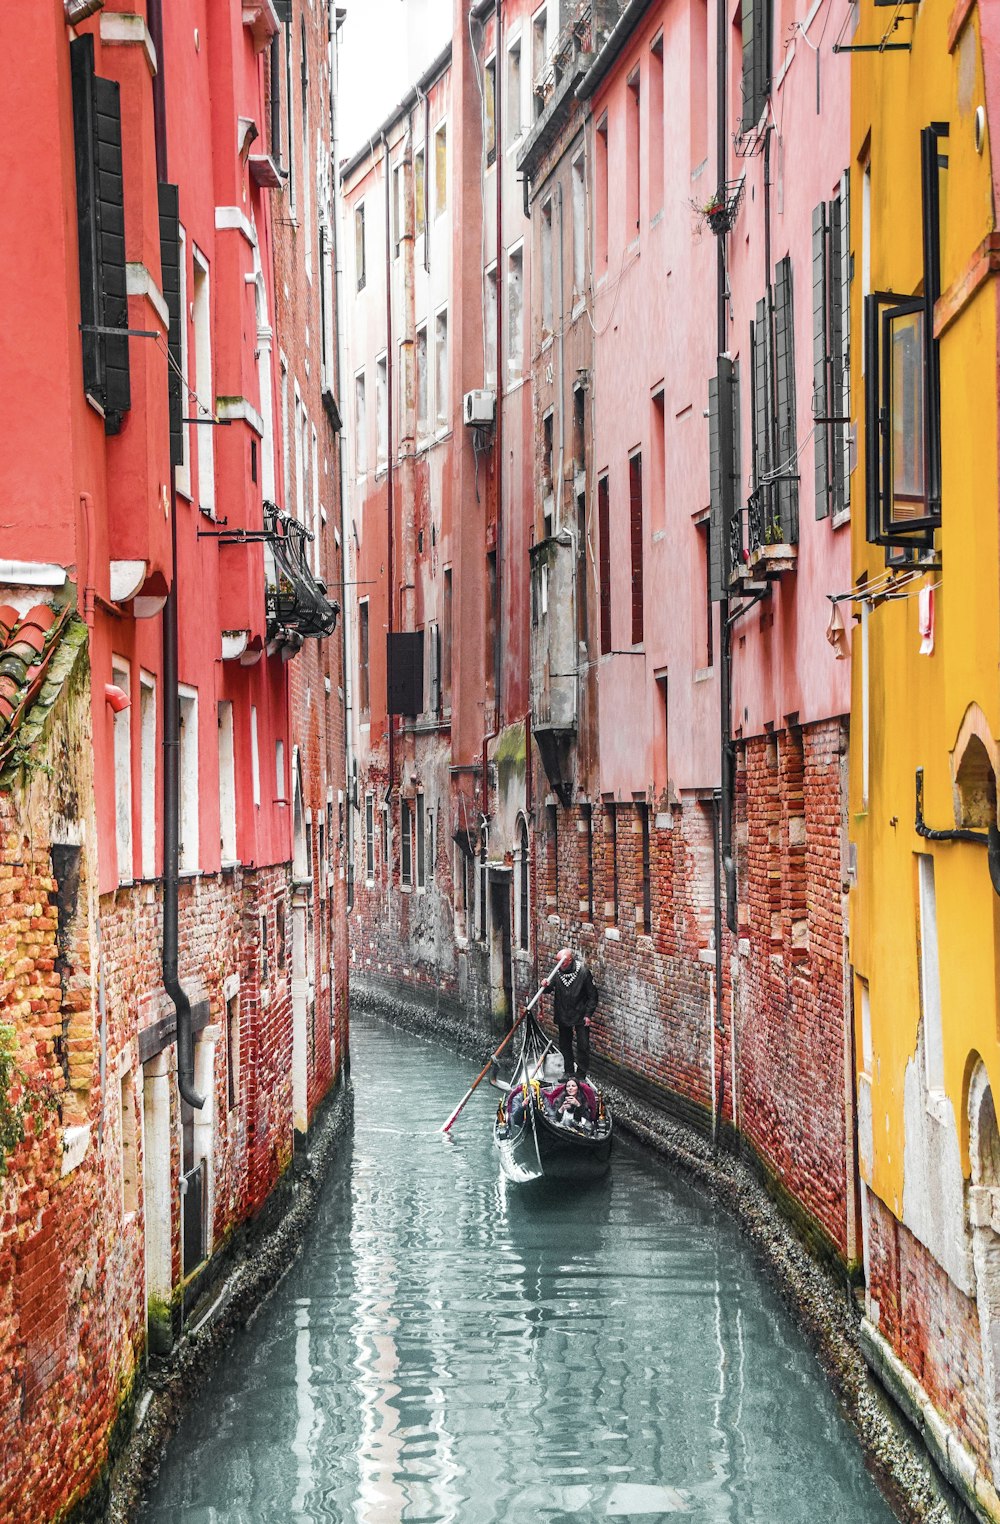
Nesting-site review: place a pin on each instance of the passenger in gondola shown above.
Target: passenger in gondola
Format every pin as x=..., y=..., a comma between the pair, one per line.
x=573, y=1110
x=574, y=1001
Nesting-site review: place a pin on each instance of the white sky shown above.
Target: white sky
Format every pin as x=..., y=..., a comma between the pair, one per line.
x=385, y=46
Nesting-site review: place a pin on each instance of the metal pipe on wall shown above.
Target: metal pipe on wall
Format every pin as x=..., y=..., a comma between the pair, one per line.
x=171, y=696
x=722, y=826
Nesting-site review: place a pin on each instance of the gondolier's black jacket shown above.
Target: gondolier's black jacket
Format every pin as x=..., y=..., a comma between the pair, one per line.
x=574, y=1001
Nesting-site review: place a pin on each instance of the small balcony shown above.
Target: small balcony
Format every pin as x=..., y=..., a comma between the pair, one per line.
x=297, y=602
x=763, y=536
x=553, y=655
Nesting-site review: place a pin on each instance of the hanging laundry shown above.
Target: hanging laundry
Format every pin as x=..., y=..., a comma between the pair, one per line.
x=836, y=633
x=925, y=620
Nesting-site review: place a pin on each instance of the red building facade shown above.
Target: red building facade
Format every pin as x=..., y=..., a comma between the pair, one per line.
x=150, y=966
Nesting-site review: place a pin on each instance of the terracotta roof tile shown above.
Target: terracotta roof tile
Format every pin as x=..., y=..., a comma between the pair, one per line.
x=27, y=643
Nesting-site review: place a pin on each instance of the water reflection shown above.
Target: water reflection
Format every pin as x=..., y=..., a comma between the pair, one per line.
x=454, y=1348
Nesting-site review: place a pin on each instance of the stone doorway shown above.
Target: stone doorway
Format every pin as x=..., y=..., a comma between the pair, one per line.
x=984, y=1216
x=501, y=970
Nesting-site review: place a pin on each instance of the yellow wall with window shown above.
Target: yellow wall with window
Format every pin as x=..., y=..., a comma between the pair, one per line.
x=908, y=708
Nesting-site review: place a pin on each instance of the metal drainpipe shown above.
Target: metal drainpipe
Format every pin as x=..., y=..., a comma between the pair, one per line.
x=390, y=555
x=171, y=697
x=499, y=161
x=722, y=832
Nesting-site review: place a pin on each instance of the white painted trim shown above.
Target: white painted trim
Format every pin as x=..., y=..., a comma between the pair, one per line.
x=239, y=407
x=231, y=217
x=139, y=282
x=119, y=29
x=32, y=573
x=234, y=643
x=127, y=578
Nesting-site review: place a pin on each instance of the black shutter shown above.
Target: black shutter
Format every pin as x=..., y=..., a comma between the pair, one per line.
x=111, y=241
x=842, y=356
x=405, y=672
x=722, y=463
x=873, y=421
x=97, y=132
x=170, y=265
x=715, y=489
x=821, y=390
x=761, y=385
x=756, y=27
x=787, y=485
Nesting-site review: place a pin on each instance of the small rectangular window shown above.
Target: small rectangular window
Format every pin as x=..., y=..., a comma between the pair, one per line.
x=490, y=110
x=441, y=170
x=644, y=911
x=756, y=36
x=515, y=314
x=601, y=197
x=381, y=412
x=539, y=59
x=279, y=770
x=552, y=866
x=490, y=323
x=587, y=899
x=359, y=246
x=406, y=843
x=611, y=817
x=705, y=635
x=370, y=838
x=421, y=845
x=360, y=425
x=515, y=108
x=441, y=368
x=658, y=462
x=446, y=639
x=579, y=229
x=148, y=772
x=398, y=207
x=254, y=756
x=546, y=271
x=364, y=691
x=227, y=783
x=604, y=559
x=656, y=127
x=189, y=773
x=633, y=155
x=122, y=721
x=419, y=194
x=636, y=542
x=421, y=379
x=203, y=384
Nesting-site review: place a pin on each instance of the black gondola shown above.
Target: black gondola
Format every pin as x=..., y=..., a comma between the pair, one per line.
x=529, y=1139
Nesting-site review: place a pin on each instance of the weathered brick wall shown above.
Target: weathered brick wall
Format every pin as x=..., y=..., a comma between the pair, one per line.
x=931, y=1326
x=791, y=1036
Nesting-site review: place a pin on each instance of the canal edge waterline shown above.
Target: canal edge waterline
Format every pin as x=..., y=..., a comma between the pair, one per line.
x=159, y=1408
x=819, y=1304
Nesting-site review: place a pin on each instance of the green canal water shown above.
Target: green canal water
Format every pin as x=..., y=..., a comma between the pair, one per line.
x=453, y=1348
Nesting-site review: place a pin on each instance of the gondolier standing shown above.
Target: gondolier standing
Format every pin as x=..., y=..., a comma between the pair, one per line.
x=574, y=1001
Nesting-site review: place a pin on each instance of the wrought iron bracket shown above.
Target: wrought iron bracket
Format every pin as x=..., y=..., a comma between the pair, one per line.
x=990, y=839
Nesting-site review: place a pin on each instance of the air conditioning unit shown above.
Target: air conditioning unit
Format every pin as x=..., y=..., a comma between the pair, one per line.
x=479, y=409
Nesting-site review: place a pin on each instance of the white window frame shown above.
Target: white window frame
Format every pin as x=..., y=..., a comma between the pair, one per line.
x=441, y=403
x=203, y=379
x=121, y=676
x=227, y=784
x=381, y=412
x=147, y=772
x=254, y=756
x=512, y=134
x=188, y=773
x=514, y=376
x=183, y=477
x=440, y=207
x=360, y=425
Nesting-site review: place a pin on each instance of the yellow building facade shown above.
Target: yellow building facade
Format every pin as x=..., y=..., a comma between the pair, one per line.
x=925, y=750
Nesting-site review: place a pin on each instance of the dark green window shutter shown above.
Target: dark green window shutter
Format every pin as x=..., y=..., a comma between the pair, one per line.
x=714, y=486
x=755, y=19
x=170, y=267
x=405, y=672
x=786, y=463
x=760, y=382
x=722, y=463
x=821, y=391
x=838, y=402
x=97, y=132
x=842, y=356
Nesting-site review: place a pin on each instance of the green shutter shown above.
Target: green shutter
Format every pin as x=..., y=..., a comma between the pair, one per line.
x=714, y=484
x=170, y=278
x=786, y=463
x=821, y=390
x=755, y=18
x=759, y=339
x=722, y=463
x=838, y=402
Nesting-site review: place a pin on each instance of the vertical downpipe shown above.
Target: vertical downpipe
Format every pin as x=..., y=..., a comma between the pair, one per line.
x=723, y=829
x=171, y=697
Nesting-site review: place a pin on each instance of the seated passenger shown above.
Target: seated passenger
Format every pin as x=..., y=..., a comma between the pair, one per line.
x=573, y=1110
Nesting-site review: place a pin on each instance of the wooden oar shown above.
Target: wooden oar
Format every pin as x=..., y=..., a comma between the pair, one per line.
x=493, y=1056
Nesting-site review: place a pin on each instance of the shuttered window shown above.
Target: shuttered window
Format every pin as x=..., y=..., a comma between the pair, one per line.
x=434, y=668
x=406, y=843
x=405, y=672
x=756, y=28
x=170, y=266
x=831, y=354
x=97, y=132
x=604, y=560
x=786, y=507
x=723, y=455
x=635, y=538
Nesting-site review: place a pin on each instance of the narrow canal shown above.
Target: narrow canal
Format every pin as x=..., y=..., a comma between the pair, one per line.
x=449, y=1348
